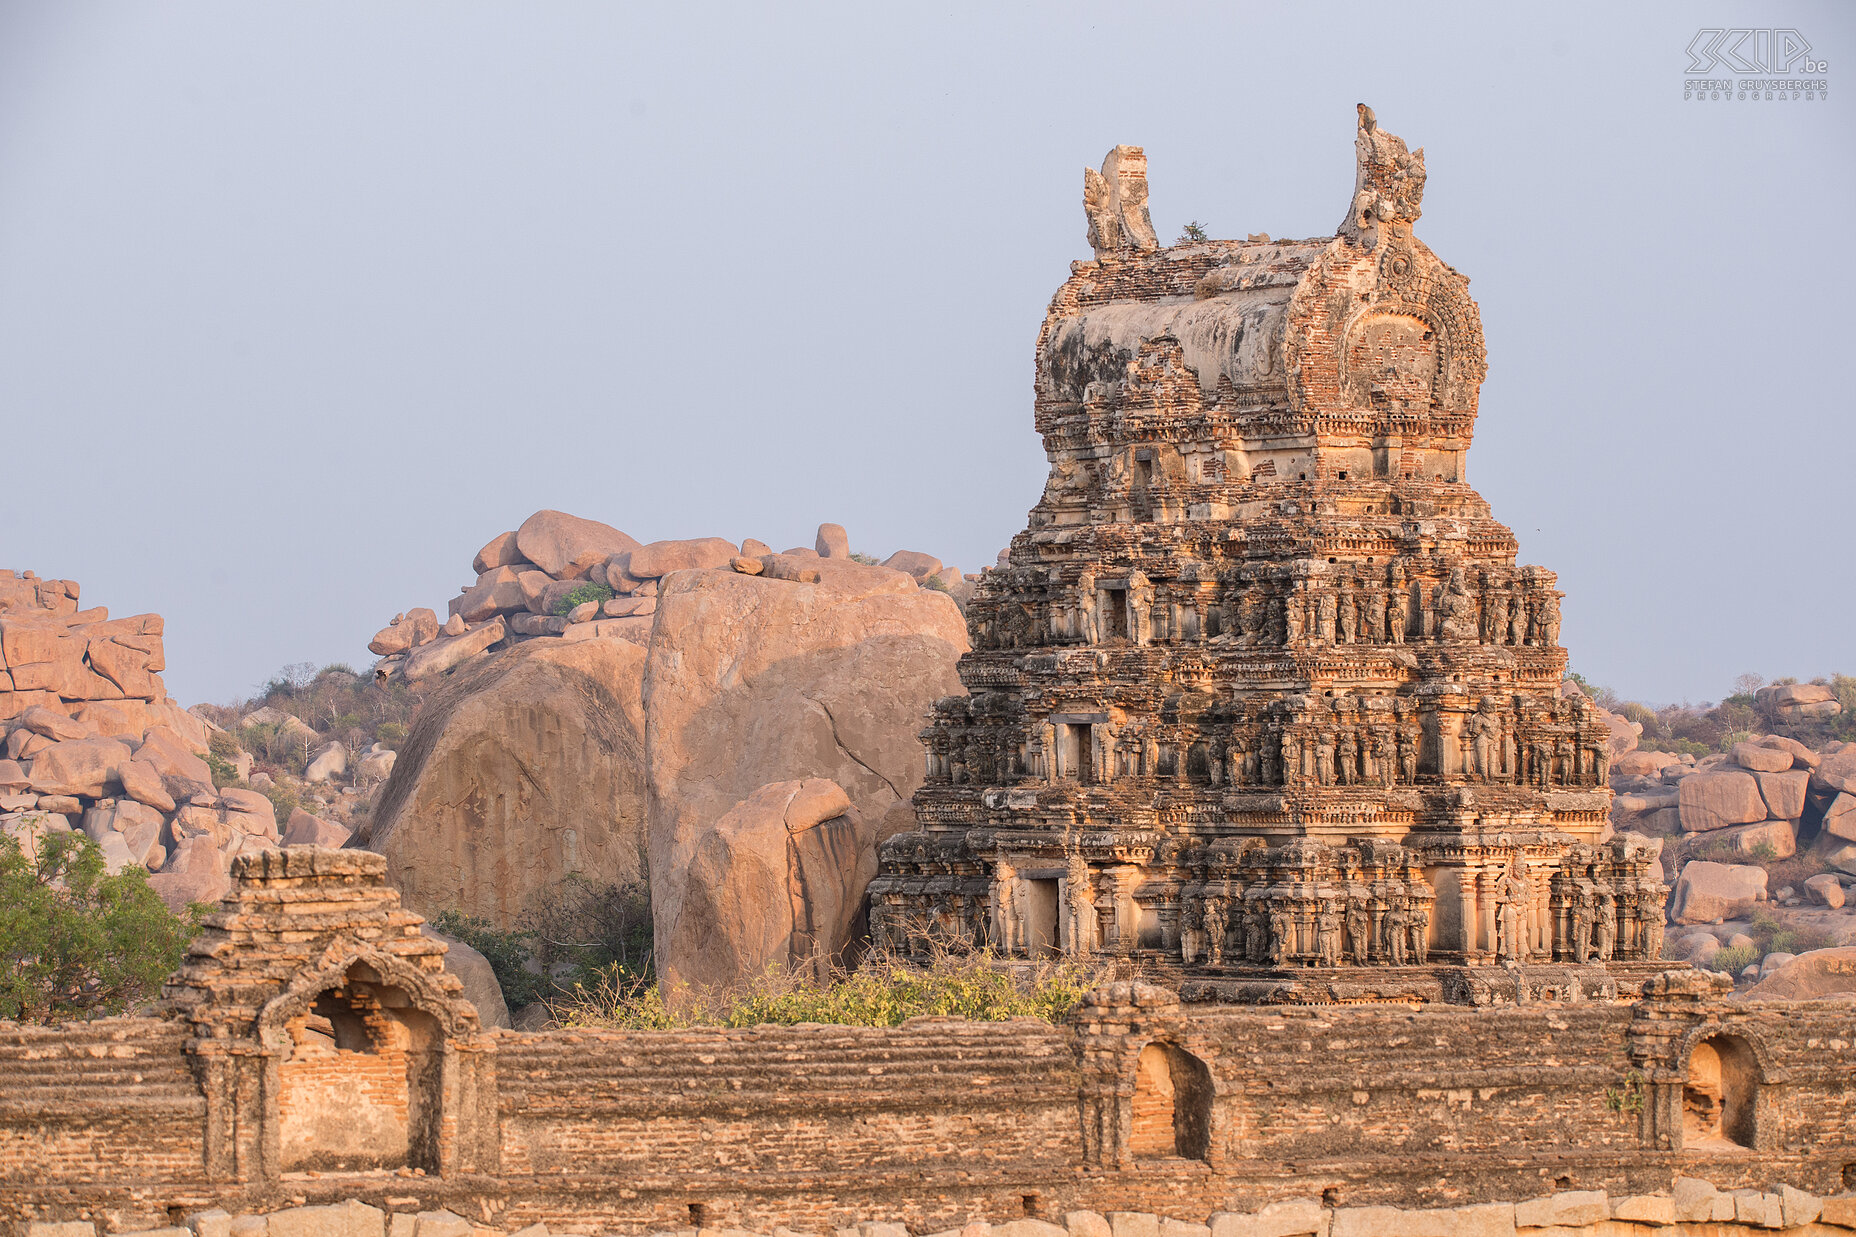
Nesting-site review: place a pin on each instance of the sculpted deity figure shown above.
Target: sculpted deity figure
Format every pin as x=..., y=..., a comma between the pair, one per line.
x=1279, y=933
x=1324, y=757
x=1483, y=734
x=1408, y=753
x=1373, y=615
x=1359, y=931
x=1562, y=760
x=1256, y=934
x=1346, y=612
x=1397, y=927
x=1079, y=894
x=1251, y=615
x=1605, y=928
x=1550, y=620
x=1348, y=757
x=1517, y=619
x=1325, y=609
x=1291, y=758
x=1087, y=623
x=1420, y=925
x=1385, y=756
x=1216, y=912
x=1237, y=759
x=1005, y=927
x=1269, y=772
x=1497, y=617
x=1292, y=617
x=879, y=926
x=1327, y=933
x=1650, y=924
x=1140, y=608
x=1512, y=895
x=1584, y=918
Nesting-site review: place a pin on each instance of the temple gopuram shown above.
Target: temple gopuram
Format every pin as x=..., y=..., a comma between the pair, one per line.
x=1260, y=700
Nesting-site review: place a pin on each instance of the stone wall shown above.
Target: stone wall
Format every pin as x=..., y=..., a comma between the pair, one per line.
x=313, y=989
x=1692, y=1208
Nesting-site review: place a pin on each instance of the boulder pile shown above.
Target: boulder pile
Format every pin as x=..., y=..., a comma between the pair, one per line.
x=669, y=729
x=1759, y=843
x=562, y=576
x=92, y=742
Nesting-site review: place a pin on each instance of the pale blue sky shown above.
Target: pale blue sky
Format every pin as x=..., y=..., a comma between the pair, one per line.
x=302, y=302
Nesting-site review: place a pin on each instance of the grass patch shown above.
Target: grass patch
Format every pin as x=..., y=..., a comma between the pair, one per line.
x=885, y=991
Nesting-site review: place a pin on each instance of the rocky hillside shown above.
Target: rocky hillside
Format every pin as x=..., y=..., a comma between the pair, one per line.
x=93, y=742
x=604, y=710
x=1758, y=841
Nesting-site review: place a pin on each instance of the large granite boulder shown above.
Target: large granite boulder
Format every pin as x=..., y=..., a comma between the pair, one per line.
x=473, y=970
x=1815, y=975
x=778, y=881
x=1720, y=798
x=1708, y=892
x=753, y=679
x=566, y=545
x=519, y=772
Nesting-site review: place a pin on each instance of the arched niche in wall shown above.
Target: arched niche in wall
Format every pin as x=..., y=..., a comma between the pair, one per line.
x=1720, y=1096
x=359, y=1080
x=1170, y=1116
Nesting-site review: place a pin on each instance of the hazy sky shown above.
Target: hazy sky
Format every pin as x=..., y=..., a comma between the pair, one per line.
x=300, y=303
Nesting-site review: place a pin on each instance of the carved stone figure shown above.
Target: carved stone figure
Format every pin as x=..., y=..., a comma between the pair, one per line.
x=1278, y=934
x=1256, y=935
x=1140, y=608
x=1325, y=608
x=1483, y=735
x=1420, y=926
x=1087, y=623
x=1359, y=931
x=1605, y=928
x=1396, y=927
x=1079, y=893
x=1327, y=934
x=1216, y=914
x=1584, y=918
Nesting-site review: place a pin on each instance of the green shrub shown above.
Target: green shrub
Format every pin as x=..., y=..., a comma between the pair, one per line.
x=1734, y=960
x=868, y=560
x=1191, y=231
x=935, y=582
x=75, y=941
x=224, y=774
x=579, y=595
x=884, y=992
x=284, y=800
x=506, y=952
x=391, y=735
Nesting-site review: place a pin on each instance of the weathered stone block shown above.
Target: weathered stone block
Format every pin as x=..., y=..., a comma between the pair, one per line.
x=442, y=1224
x=1798, y=1207
x=349, y=1219
x=1757, y=1208
x=1838, y=1209
x=1134, y=1224
x=1014, y=1228
x=1296, y=1218
x=1569, y=1208
x=1182, y=1228
x=1489, y=1220
x=63, y=1228
x=213, y=1223
x=1645, y=1209
x=1087, y=1224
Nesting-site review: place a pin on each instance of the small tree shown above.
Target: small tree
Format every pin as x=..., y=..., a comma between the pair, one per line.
x=1192, y=231
x=76, y=941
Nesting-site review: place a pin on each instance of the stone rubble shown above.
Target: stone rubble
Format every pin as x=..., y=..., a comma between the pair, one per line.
x=1693, y=1208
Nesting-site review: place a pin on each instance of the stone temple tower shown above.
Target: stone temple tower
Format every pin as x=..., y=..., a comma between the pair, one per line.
x=1260, y=698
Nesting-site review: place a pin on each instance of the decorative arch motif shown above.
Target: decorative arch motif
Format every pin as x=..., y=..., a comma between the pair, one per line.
x=409, y=1072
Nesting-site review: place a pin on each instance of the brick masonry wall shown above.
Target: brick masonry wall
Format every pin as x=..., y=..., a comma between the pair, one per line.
x=940, y=1122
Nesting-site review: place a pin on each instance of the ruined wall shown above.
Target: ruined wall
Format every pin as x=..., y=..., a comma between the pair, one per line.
x=97, y=1103
x=317, y=1051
